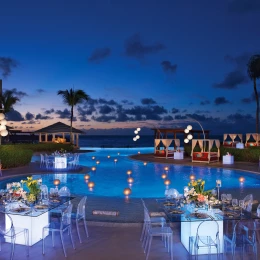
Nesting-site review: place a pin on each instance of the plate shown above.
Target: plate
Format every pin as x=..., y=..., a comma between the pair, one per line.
x=41, y=207
x=168, y=204
x=19, y=210
x=199, y=215
x=176, y=211
x=235, y=208
x=54, y=201
x=228, y=214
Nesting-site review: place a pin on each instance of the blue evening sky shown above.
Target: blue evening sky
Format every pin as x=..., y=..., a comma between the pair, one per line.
x=143, y=63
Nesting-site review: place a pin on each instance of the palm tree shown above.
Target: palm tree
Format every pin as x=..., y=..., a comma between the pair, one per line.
x=253, y=70
x=8, y=100
x=72, y=98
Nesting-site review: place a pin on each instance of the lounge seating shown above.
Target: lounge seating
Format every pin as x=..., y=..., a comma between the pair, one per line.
x=59, y=140
x=167, y=151
x=232, y=137
x=205, y=156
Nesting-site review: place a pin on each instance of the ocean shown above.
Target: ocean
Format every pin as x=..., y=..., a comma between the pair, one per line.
x=124, y=141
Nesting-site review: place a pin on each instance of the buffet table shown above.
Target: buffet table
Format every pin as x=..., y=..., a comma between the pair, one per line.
x=60, y=162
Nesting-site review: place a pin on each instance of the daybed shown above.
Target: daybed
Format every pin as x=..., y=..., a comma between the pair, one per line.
x=165, y=151
x=205, y=156
x=233, y=142
x=255, y=142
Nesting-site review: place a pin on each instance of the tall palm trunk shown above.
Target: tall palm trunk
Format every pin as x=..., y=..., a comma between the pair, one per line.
x=257, y=107
x=71, y=118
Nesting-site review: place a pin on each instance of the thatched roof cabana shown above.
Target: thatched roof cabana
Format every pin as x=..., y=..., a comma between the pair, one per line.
x=59, y=128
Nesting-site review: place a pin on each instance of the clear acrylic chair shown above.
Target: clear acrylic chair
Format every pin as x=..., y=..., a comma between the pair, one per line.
x=163, y=231
x=203, y=240
x=244, y=233
x=248, y=202
x=154, y=221
x=8, y=231
x=42, y=160
x=59, y=226
x=63, y=192
x=81, y=215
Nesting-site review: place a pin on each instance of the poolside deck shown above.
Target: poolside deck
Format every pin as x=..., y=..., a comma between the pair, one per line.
x=114, y=238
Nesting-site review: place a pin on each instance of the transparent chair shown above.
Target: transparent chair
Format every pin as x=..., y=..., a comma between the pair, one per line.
x=153, y=220
x=163, y=231
x=81, y=215
x=59, y=226
x=64, y=191
x=42, y=160
x=248, y=203
x=244, y=233
x=8, y=231
x=203, y=240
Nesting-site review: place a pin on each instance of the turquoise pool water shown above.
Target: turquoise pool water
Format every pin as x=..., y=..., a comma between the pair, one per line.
x=110, y=178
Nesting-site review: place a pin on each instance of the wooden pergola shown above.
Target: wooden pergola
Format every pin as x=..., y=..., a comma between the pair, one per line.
x=163, y=133
x=59, y=129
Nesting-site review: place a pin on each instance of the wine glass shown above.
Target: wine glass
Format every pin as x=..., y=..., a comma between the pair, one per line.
x=223, y=197
x=234, y=203
x=241, y=205
x=229, y=198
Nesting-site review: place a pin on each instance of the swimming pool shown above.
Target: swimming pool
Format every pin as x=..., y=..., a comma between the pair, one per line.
x=110, y=178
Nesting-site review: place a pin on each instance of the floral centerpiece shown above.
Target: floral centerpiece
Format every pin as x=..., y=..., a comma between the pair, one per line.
x=60, y=152
x=16, y=190
x=34, y=188
x=196, y=192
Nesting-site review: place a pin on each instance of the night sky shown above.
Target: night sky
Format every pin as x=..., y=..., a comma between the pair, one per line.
x=143, y=63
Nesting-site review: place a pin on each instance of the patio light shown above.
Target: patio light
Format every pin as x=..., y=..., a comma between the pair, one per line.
x=115, y=160
x=127, y=191
x=91, y=184
x=164, y=176
x=167, y=182
x=137, y=137
x=129, y=172
x=186, y=131
x=136, y=132
x=93, y=168
x=166, y=168
x=93, y=157
x=97, y=162
x=189, y=127
x=87, y=177
x=108, y=156
x=130, y=180
x=138, y=129
x=192, y=177
x=241, y=179
x=145, y=163
x=186, y=140
x=56, y=182
x=189, y=136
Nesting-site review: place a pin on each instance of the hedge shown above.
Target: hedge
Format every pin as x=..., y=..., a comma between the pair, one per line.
x=250, y=154
x=15, y=155
x=12, y=157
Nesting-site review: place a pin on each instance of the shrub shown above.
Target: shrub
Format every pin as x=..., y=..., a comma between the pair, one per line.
x=12, y=157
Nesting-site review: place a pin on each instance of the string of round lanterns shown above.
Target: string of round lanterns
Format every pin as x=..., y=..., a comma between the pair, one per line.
x=3, y=123
x=186, y=131
x=136, y=133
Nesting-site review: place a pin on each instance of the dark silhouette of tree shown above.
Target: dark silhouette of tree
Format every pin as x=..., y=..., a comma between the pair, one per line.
x=253, y=70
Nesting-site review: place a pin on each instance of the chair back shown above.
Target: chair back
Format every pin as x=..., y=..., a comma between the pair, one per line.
x=66, y=217
x=250, y=227
x=248, y=202
x=204, y=228
x=6, y=224
x=147, y=217
x=64, y=191
x=81, y=208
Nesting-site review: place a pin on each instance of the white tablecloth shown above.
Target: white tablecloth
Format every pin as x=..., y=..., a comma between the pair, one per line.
x=60, y=162
x=178, y=155
x=228, y=159
x=240, y=146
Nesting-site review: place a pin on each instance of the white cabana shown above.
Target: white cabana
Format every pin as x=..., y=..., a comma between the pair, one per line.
x=255, y=137
x=233, y=137
x=167, y=150
x=205, y=154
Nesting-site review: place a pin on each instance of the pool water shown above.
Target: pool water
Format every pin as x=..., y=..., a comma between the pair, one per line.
x=110, y=177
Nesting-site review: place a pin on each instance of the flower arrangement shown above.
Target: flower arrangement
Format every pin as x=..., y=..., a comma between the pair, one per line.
x=60, y=152
x=16, y=190
x=33, y=187
x=196, y=192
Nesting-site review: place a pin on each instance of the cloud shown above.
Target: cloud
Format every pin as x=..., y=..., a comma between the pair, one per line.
x=148, y=101
x=243, y=6
x=168, y=118
x=99, y=55
x=239, y=117
x=107, y=102
x=202, y=111
x=249, y=100
x=136, y=49
x=86, y=110
x=205, y=102
x=14, y=115
x=175, y=110
x=104, y=118
x=40, y=90
x=6, y=65
x=83, y=119
x=41, y=117
x=105, y=109
x=48, y=112
x=168, y=67
x=31, y=122
x=221, y=101
x=232, y=80
x=126, y=102
x=29, y=116
x=65, y=114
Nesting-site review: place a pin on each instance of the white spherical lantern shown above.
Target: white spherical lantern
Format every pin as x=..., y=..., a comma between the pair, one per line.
x=2, y=127
x=138, y=129
x=2, y=116
x=189, y=136
x=3, y=122
x=4, y=133
x=186, y=131
x=186, y=140
x=137, y=137
x=136, y=132
x=134, y=139
x=189, y=127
